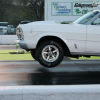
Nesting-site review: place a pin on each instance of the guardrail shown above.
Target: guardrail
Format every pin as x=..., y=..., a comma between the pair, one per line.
x=65, y=92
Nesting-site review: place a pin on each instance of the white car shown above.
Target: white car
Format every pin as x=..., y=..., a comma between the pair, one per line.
x=50, y=41
x=3, y=28
x=11, y=29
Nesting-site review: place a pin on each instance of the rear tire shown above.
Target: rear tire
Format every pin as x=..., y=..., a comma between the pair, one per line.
x=49, y=54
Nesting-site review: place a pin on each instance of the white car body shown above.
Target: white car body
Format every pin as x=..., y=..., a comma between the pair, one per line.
x=3, y=27
x=3, y=30
x=11, y=29
x=80, y=39
x=53, y=28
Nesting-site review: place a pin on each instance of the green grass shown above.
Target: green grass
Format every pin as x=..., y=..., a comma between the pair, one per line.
x=92, y=57
x=5, y=55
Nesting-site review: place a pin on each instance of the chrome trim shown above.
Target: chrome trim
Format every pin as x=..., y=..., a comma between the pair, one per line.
x=19, y=33
x=50, y=53
x=21, y=44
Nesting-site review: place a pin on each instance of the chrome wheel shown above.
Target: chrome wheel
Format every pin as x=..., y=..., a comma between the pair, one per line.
x=50, y=53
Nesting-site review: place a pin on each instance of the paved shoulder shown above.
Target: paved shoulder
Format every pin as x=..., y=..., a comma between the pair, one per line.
x=8, y=47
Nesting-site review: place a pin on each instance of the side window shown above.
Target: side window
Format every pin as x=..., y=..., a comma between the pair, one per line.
x=96, y=22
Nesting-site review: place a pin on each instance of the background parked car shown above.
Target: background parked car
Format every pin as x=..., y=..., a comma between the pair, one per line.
x=11, y=30
x=3, y=27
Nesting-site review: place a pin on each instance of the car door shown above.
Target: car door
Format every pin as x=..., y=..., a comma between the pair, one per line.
x=93, y=37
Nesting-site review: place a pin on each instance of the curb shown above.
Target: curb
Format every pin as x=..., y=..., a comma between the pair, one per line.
x=69, y=92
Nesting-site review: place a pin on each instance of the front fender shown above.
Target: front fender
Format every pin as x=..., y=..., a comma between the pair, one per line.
x=53, y=35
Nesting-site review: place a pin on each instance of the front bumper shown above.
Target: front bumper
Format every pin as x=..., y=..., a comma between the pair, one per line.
x=21, y=44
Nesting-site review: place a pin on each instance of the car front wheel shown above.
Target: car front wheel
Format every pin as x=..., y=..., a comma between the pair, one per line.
x=49, y=54
x=33, y=54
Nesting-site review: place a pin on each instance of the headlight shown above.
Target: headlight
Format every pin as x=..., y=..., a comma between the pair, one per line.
x=18, y=30
x=19, y=33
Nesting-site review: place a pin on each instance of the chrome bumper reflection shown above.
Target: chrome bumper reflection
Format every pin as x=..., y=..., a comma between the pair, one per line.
x=21, y=44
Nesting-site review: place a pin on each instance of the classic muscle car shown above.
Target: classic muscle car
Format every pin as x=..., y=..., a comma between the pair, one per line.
x=50, y=41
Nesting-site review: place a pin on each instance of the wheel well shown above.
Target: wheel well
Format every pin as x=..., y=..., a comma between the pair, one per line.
x=64, y=46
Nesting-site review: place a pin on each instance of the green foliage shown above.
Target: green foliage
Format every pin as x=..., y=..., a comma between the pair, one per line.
x=35, y=9
x=5, y=55
x=15, y=11
x=4, y=5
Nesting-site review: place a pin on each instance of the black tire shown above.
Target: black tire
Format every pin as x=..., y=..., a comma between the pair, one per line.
x=33, y=54
x=41, y=58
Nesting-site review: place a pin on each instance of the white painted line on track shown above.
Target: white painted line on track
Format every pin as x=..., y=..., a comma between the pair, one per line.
x=65, y=92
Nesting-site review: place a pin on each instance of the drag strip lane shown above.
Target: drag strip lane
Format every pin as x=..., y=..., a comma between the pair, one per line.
x=13, y=73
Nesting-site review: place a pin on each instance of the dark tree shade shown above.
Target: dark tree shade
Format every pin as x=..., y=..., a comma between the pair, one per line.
x=34, y=9
x=15, y=11
x=4, y=6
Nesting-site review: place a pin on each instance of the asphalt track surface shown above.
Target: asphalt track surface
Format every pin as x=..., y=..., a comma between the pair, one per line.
x=80, y=72
x=8, y=47
x=14, y=73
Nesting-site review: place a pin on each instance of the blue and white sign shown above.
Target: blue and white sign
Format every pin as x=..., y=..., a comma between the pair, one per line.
x=61, y=9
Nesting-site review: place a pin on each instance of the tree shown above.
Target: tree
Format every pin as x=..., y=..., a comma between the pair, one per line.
x=14, y=11
x=34, y=9
x=4, y=6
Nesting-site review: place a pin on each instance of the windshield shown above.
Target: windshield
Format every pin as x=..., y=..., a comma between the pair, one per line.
x=3, y=24
x=85, y=18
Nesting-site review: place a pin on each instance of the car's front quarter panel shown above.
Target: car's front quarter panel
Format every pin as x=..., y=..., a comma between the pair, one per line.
x=71, y=34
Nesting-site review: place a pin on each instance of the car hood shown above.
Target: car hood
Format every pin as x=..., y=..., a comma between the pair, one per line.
x=45, y=22
x=45, y=26
x=41, y=23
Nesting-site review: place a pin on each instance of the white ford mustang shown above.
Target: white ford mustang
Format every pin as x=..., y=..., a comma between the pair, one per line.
x=50, y=41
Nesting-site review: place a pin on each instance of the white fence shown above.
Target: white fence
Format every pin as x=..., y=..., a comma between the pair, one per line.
x=7, y=39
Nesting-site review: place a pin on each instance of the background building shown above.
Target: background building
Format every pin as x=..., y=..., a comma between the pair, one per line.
x=68, y=10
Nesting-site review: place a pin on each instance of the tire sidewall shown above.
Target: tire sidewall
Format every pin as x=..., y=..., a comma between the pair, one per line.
x=33, y=54
x=40, y=58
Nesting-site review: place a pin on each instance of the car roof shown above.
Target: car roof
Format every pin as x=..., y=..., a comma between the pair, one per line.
x=3, y=22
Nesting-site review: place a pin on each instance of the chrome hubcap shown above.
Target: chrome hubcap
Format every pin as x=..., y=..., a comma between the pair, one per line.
x=50, y=53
